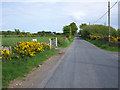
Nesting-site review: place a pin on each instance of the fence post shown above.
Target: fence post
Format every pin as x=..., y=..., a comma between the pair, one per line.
x=50, y=43
x=10, y=49
x=56, y=41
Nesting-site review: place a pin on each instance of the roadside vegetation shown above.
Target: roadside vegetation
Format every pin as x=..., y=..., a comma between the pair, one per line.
x=98, y=35
x=27, y=54
x=18, y=68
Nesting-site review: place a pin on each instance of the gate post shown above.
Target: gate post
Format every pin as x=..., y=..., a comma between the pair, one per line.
x=50, y=43
x=56, y=41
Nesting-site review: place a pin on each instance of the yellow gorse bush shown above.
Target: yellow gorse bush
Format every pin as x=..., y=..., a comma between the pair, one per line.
x=94, y=37
x=5, y=51
x=20, y=35
x=24, y=49
x=30, y=48
x=5, y=55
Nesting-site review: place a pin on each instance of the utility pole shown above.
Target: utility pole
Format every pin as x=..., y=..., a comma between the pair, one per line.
x=109, y=19
x=105, y=23
x=89, y=23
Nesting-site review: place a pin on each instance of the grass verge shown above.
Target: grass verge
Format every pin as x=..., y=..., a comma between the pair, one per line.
x=18, y=68
x=13, y=69
x=64, y=43
x=103, y=45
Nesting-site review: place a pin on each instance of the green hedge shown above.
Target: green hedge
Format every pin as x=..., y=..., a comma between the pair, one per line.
x=98, y=30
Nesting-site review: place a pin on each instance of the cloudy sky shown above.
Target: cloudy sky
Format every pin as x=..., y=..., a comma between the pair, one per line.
x=52, y=16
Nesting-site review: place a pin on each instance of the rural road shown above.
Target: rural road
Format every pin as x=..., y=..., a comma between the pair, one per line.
x=85, y=66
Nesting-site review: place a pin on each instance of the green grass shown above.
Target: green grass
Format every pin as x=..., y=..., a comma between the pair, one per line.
x=64, y=43
x=103, y=45
x=6, y=41
x=18, y=68
x=0, y=75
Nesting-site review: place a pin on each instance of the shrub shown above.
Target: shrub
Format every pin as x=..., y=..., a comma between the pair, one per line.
x=29, y=35
x=20, y=35
x=5, y=55
x=33, y=35
x=62, y=42
x=98, y=30
x=54, y=35
x=24, y=49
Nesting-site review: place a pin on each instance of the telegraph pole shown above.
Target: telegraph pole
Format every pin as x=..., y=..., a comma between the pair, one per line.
x=105, y=23
x=89, y=23
x=109, y=19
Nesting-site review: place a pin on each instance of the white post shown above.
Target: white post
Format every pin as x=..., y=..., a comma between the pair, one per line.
x=56, y=41
x=10, y=49
x=50, y=43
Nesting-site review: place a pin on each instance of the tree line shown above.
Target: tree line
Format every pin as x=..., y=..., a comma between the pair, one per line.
x=17, y=32
x=98, y=30
x=70, y=29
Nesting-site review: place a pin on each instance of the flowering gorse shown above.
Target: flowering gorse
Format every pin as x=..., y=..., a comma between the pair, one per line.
x=5, y=55
x=95, y=37
x=30, y=48
x=25, y=49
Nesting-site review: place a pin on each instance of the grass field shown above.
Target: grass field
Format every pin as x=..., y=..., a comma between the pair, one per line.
x=6, y=41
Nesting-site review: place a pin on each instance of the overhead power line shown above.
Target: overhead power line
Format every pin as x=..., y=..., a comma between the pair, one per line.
x=106, y=11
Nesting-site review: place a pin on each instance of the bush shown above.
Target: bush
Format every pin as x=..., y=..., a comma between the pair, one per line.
x=54, y=35
x=33, y=35
x=29, y=35
x=62, y=42
x=21, y=35
x=98, y=30
x=24, y=49
x=5, y=55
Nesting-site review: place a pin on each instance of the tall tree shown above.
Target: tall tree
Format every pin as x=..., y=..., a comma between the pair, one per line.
x=73, y=28
x=67, y=30
x=17, y=31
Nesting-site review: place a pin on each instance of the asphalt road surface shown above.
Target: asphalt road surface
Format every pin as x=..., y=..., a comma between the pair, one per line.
x=85, y=66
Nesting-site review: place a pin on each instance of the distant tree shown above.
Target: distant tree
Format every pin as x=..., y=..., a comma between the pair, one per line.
x=67, y=30
x=28, y=33
x=79, y=32
x=23, y=33
x=4, y=33
x=54, y=32
x=82, y=25
x=73, y=28
x=43, y=33
x=9, y=32
x=58, y=33
x=13, y=33
x=17, y=31
x=39, y=33
x=48, y=33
